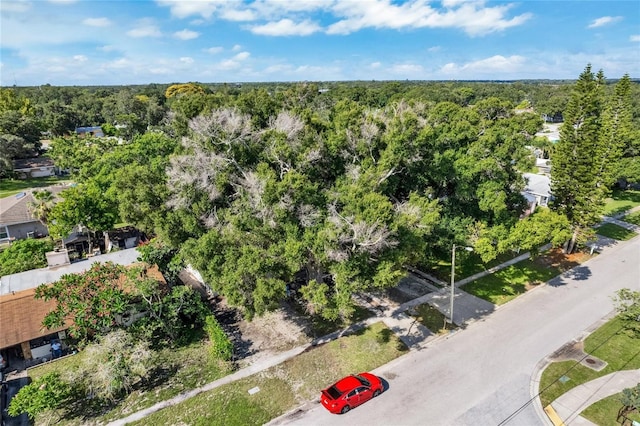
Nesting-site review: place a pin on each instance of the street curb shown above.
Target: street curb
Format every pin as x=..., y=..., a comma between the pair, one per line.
x=534, y=386
x=553, y=416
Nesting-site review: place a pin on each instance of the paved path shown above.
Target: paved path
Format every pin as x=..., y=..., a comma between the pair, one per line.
x=569, y=405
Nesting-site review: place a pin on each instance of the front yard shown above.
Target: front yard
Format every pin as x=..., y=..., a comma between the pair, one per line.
x=9, y=187
x=507, y=284
x=174, y=371
x=287, y=385
x=621, y=201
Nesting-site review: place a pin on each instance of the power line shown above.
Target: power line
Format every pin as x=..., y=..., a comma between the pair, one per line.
x=530, y=401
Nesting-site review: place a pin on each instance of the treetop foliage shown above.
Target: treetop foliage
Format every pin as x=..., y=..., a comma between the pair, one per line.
x=324, y=189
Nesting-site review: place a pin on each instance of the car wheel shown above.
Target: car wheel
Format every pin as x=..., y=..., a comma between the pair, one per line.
x=376, y=393
x=345, y=409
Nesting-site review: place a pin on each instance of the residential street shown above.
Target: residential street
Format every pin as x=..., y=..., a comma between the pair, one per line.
x=482, y=375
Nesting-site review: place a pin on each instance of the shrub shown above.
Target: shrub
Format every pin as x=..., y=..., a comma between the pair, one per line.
x=24, y=255
x=45, y=393
x=221, y=346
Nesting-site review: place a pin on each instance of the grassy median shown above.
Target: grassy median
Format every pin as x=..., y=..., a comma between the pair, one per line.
x=610, y=343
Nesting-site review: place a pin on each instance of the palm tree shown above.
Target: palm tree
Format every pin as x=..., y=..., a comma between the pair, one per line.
x=42, y=204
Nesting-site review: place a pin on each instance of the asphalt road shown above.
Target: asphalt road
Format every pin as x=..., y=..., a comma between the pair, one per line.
x=482, y=375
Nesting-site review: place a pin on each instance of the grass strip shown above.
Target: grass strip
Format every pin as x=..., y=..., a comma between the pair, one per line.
x=609, y=343
x=286, y=385
x=616, y=232
x=510, y=282
x=605, y=411
x=632, y=218
x=621, y=201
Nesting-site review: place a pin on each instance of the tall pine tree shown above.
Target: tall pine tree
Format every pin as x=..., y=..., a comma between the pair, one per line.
x=589, y=148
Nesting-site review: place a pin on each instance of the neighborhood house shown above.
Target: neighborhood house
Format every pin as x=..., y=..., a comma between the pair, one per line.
x=22, y=334
x=34, y=167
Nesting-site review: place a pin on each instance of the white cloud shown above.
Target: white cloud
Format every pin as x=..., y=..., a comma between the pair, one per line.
x=375, y=65
x=241, y=56
x=214, y=50
x=63, y=1
x=286, y=27
x=473, y=17
x=278, y=68
x=494, y=65
x=236, y=47
x=183, y=9
x=229, y=64
x=119, y=63
x=234, y=62
x=107, y=48
x=186, y=35
x=434, y=49
x=452, y=3
x=412, y=70
x=97, y=22
x=635, y=37
x=238, y=15
x=80, y=58
x=145, y=28
x=186, y=60
x=605, y=20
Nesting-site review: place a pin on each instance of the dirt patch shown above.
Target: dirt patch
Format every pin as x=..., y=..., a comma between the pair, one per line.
x=558, y=259
x=272, y=333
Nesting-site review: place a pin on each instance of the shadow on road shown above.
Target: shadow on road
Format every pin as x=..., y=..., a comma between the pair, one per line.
x=579, y=273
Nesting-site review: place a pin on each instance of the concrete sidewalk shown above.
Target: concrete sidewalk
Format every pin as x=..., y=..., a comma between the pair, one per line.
x=570, y=404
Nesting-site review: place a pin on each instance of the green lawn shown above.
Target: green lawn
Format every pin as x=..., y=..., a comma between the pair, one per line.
x=610, y=343
x=9, y=187
x=467, y=264
x=176, y=370
x=287, y=385
x=605, y=411
x=622, y=201
x=430, y=317
x=508, y=283
x=616, y=232
x=632, y=218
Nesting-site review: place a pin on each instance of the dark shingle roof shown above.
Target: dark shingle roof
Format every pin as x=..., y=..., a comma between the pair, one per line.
x=32, y=163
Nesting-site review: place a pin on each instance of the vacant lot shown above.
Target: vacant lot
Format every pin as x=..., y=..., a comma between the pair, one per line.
x=285, y=386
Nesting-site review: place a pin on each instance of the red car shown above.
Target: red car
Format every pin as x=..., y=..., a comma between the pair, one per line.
x=350, y=392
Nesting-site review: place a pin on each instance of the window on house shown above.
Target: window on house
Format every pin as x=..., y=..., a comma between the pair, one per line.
x=4, y=233
x=30, y=234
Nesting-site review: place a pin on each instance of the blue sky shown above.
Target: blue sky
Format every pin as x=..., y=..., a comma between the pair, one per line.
x=91, y=42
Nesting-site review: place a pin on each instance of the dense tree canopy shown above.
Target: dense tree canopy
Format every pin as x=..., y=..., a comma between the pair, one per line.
x=348, y=203
x=323, y=190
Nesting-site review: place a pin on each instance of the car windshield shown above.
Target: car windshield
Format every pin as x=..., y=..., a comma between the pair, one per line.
x=334, y=392
x=363, y=380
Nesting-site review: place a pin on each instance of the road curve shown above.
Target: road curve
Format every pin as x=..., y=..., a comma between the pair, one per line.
x=482, y=375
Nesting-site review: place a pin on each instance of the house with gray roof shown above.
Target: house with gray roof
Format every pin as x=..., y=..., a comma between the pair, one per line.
x=537, y=190
x=16, y=220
